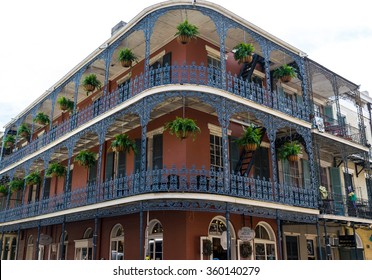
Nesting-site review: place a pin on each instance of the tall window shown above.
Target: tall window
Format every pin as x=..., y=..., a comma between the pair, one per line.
x=215, y=146
x=84, y=247
x=264, y=242
x=155, y=241
x=217, y=233
x=30, y=248
x=214, y=66
x=291, y=174
x=117, y=243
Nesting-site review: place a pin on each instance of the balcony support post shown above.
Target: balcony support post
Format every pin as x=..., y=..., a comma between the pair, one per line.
x=18, y=239
x=279, y=235
x=53, y=98
x=227, y=217
x=1, y=242
x=70, y=149
x=95, y=236
x=318, y=239
x=36, y=257
x=101, y=131
x=33, y=115
x=46, y=158
x=77, y=78
x=141, y=232
x=62, y=242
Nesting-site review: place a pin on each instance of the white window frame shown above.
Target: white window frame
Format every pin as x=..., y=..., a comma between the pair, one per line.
x=116, y=239
x=271, y=241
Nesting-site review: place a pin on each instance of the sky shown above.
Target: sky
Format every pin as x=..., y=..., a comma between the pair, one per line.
x=42, y=40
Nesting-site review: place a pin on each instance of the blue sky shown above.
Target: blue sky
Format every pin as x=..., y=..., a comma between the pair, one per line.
x=42, y=40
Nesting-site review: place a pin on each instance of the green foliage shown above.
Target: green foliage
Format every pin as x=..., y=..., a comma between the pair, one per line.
x=65, y=104
x=288, y=149
x=127, y=55
x=23, y=130
x=55, y=169
x=250, y=135
x=33, y=178
x=42, y=118
x=16, y=184
x=285, y=70
x=181, y=127
x=242, y=50
x=4, y=190
x=91, y=80
x=122, y=142
x=9, y=141
x=187, y=29
x=86, y=158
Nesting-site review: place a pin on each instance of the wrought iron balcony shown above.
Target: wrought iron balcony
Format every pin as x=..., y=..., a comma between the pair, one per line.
x=341, y=205
x=175, y=74
x=338, y=128
x=168, y=181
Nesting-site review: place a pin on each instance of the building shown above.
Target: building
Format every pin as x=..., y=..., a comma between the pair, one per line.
x=168, y=197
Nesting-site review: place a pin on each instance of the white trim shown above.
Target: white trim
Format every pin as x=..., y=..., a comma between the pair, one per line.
x=288, y=89
x=259, y=74
x=156, y=131
x=213, y=53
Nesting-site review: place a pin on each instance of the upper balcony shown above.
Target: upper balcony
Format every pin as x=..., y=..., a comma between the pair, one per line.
x=207, y=61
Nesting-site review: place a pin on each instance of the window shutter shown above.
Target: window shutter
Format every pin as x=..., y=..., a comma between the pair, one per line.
x=286, y=172
x=234, y=154
x=47, y=188
x=306, y=173
x=157, y=151
x=69, y=185
x=109, y=172
x=92, y=174
x=328, y=112
x=121, y=164
x=167, y=59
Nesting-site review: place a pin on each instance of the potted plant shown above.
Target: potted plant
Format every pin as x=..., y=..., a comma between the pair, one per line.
x=126, y=57
x=65, y=104
x=86, y=158
x=181, y=127
x=4, y=191
x=91, y=82
x=290, y=151
x=245, y=250
x=41, y=118
x=9, y=141
x=24, y=131
x=243, y=52
x=352, y=196
x=285, y=73
x=250, y=138
x=323, y=192
x=16, y=184
x=186, y=32
x=207, y=247
x=122, y=142
x=55, y=169
x=33, y=178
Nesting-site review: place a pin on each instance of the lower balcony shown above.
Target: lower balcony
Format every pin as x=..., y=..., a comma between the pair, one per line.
x=167, y=181
x=341, y=205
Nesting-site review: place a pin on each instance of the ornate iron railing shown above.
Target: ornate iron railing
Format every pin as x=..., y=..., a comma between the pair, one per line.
x=168, y=181
x=175, y=74
x=341, y=205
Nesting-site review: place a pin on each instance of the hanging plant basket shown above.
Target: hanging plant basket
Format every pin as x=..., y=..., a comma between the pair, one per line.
x=183, y=39
x=9, y=141
x=65, y=104
x=126, y=63
x=285, y=73
x=181, y=127
x=89, y=88
x=186, y=32
x=86, y=158
x=33, y=178
x=122, y=142
x=246, y=59
x=292, y=157
x=251, y=147
x=56, y=169
x=250, y=138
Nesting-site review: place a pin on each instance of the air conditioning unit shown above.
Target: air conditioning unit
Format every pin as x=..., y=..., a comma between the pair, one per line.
x=333, y=241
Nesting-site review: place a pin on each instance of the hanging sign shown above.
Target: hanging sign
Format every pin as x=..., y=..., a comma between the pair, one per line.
x=246, y=234
x=45, y=239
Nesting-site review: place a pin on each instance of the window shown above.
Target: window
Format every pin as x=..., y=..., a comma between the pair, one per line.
x=215, y=146
x=264, y=242
x=30, y=248
x=154, y=249
x=84, y=247
x=217, y=234
x=117, y=243
x=291, y=245
x=291, y=174
x=137, y=156
x=214, y=68
x=47, y=187
x=34, y=192
x=157, y=151
x=124, y=90
x=160, y=69
x=261, y=163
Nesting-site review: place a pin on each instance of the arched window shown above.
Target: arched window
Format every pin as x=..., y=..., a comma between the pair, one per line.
x=30, y=248
x=84, y=247
x=155, y=241
x=13, y=249
x=217, y=233
x=264, y=242
x=117, y=243
x=65, y=246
